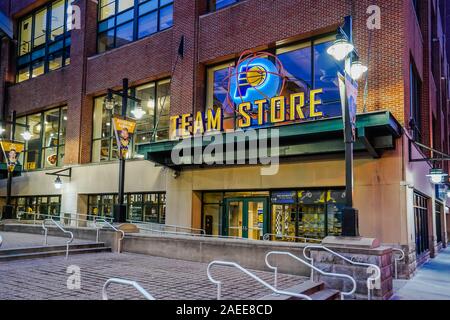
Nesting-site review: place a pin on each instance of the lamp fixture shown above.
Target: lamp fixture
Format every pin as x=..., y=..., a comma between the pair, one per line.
x=138, y=112
x=109, y=102
x=58, y=183
x=26, y=135
x=2, y=130
x=436, y=175
x=340, y=49
x=357, y=70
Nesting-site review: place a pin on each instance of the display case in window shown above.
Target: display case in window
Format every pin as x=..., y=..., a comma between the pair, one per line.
x=311, y=213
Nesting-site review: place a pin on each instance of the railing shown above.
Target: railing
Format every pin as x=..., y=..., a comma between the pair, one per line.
x=134, y=284
x=105, y=222
x=371, y=280
x=235, y=265
x=175, y=227
x=397, y=259
x=1, y=240
x=63, y=217
x=267, y=237
x=330, y=274
x=60, y=227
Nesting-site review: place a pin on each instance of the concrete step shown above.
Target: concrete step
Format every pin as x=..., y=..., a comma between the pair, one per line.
x=44, y=254
x=308, y=287
x=326, y=294
x=48, y=248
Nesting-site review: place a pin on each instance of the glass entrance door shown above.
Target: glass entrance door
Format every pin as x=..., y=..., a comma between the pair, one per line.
x=245, y=218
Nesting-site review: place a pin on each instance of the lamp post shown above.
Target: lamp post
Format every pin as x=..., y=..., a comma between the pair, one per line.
x=120, y=209
x=8, y=209
x=341, y=50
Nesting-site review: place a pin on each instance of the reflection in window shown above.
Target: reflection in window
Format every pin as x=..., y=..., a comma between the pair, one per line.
x=153, y=126
x=45, y=149
x=123, y=21
x=44, y=40
x=37, y=207
x=146, y=207
x=219, y=4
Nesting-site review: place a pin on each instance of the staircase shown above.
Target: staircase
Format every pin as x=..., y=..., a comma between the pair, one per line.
x=316, y=290
x=50, y=251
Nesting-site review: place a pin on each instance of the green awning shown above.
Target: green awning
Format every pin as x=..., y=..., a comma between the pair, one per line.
x=4, y=171
x=376, y=131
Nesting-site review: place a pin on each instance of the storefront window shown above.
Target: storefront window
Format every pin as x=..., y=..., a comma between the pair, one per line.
x=292, y=214
x=153, y=126
x=37, y=207
x=44, y=47
x=124, y=21
x=46, y=147
x=307, y=66
x=146, y=207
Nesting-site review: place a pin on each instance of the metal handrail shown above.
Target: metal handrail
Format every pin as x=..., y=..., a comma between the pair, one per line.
x=1, y=240
x=331, y=274
x=112, y=227
x=60, y=227
x=370, y=280
x=266, y=237
x=176, y=227
x=397, y=259
x=62, y=215
x=134, y=284
x=235, y=265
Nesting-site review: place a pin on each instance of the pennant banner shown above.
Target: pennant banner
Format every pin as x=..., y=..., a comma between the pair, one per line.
x=12, y=151
x=124, y=129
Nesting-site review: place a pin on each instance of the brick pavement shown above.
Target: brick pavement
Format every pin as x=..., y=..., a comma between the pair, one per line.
x=46, y=278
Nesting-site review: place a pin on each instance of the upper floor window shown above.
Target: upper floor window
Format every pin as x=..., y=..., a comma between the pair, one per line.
x=124, y=21
x=153, y=126
x=307, y=66
x=219, y=4
x=415, y=87
x=45, y=149
x=44, y=40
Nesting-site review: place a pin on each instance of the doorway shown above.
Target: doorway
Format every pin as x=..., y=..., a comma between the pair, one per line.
x=246, y=217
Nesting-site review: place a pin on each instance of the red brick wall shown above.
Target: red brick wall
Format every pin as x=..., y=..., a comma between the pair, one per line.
x=221, y=35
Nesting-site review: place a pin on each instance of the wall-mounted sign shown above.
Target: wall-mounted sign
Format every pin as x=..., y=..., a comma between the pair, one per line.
x=283, y=197
x=11, y=152
x=257, y=95
x=124, y=129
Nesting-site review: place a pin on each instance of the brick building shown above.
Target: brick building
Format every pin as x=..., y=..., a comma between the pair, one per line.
x=178, y=55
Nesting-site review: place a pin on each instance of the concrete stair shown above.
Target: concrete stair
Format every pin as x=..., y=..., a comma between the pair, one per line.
x=50, y=251
x=316, y=290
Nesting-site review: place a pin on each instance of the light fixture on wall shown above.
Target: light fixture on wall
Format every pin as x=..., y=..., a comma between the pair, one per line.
x=341, y=48
x=109, y=102
x=138, y=112
x=58, y=182
x=436, y=175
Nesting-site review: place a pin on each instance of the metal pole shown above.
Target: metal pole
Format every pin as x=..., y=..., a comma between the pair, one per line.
x=8, y=208
x=120, y=210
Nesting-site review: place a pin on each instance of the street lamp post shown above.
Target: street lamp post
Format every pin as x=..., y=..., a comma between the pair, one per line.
x=341, y=50
x=120, y=209
x=8, y=209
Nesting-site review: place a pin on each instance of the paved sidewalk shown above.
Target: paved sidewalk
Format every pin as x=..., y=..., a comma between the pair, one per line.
x=23, y=240
x=432, y=281
x=46, y=278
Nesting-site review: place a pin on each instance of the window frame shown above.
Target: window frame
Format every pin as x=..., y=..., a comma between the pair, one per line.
x=42, y=148
x=111, y=138
x=65, y=40
x=134, y=20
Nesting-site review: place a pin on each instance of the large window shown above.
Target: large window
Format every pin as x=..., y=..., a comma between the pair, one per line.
x=438, y=221
x=314, y=213
x=37, y=207
x=44, y=40
x=307, y=66
x=146, y=207
x=45, y=149
x=124, y=21
x=153, y=126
